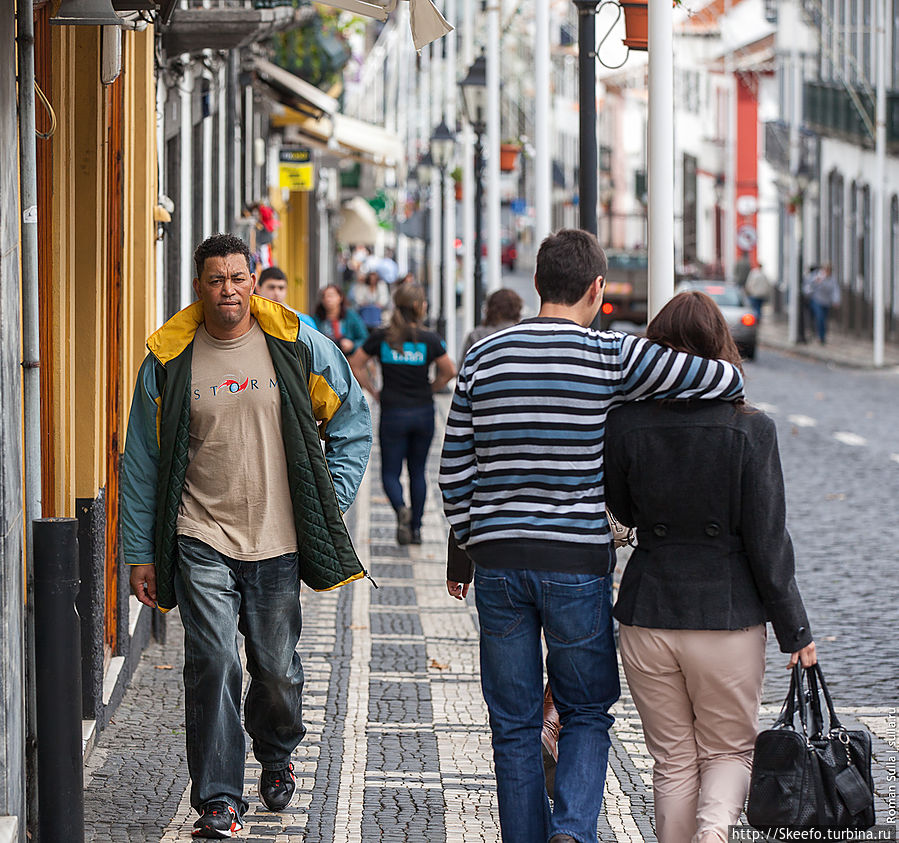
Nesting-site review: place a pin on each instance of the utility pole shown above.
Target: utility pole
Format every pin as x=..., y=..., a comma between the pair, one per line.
x=660, y=175
x=793, y=257
x=494, y=280
x=542, y=151
x=587, y=168
x=880, y=136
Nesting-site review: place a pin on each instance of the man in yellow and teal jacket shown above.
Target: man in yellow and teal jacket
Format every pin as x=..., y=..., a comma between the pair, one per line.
x=228, y=502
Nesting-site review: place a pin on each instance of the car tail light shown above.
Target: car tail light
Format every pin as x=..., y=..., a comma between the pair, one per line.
x=748, y=320
x=607, y=308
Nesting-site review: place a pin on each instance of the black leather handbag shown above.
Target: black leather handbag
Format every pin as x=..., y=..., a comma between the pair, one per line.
x=810, y=777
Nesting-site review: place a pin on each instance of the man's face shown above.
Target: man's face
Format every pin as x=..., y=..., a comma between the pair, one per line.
x=274, y=289
x=224, y=287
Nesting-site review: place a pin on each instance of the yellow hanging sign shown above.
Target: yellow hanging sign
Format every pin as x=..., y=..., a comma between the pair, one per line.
x=296, y=171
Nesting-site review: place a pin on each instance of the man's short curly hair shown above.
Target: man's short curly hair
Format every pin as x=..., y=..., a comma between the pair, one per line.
x=220, y=246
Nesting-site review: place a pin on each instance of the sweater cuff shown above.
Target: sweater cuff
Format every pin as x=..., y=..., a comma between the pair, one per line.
x=459, y=565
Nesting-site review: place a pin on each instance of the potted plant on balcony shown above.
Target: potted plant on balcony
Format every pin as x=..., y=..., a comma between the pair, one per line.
x=456, y=175
x=508, y=155
x=636, y=23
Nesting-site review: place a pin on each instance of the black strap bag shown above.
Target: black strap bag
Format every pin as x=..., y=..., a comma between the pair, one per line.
x=810, y=777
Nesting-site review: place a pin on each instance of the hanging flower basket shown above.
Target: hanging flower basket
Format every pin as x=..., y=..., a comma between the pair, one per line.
x=636, y=24
x=458, y=187
x=508, y=155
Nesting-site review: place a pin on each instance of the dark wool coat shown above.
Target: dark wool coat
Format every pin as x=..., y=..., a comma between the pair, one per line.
x=702, y=482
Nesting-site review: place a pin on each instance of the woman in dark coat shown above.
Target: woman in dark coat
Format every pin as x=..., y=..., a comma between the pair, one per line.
x=702, y=483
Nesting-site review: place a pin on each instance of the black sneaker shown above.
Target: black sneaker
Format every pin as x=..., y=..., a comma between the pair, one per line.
x=403, y=529
x=416, y=537
x=218, y=820
x=276, y=788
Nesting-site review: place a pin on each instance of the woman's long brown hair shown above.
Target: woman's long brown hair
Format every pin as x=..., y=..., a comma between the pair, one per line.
x=692, y=322
x=408, y=311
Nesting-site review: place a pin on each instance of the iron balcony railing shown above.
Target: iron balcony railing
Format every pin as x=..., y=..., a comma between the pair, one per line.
x=829, y=110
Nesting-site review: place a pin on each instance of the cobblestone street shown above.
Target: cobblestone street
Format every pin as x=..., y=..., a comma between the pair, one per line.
x=398, y=747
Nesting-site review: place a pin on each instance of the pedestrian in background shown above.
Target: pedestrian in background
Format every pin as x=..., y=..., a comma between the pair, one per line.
x=502, y=310
x=272, y=284
x=337, y=322
x=216, y=511
x=702, y=483
x=522, y=482
x=370, y=296
x=823, y=293
x=405, y=351
x=758, y=290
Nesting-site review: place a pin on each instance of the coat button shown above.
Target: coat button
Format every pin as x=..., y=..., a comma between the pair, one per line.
x=660, y=530
x=712, y=529
x=800, y=632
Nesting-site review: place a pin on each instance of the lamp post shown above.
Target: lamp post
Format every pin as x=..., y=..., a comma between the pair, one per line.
x=586, y=38
x=474, y=95
x=423, y=173
x=441, y=145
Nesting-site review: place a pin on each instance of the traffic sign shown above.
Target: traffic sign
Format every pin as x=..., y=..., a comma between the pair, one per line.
x=747, y=237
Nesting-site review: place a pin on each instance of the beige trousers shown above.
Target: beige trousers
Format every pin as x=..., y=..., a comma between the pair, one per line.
x=698, y=694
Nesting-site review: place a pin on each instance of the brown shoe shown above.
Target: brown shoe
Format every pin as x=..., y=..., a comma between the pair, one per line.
x=549, y=740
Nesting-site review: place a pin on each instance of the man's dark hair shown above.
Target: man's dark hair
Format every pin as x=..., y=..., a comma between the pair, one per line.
x=220, y=246
x=272, y=272
x=567, y=264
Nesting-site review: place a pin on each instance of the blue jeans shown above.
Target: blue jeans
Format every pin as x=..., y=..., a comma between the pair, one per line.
x=820, y=313
x=217, y=596
x=574, y=611
x=405, y=434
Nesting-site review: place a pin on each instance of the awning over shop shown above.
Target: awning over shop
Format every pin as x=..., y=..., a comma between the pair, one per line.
x=755, y=57
x=294, y=92
x=359, y=224
x=343, y=134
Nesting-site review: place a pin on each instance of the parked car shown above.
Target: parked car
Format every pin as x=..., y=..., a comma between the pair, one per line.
x=624, y=298
x=735, y=308
x=508, y=251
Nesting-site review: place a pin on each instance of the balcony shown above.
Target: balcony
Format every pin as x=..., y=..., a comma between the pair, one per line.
x=830, y=111
x=227, y=24
x=777, y=148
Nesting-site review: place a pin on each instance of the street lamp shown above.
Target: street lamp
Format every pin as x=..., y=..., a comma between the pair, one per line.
x=474, y=95
x=423, y=171
x=441, y=148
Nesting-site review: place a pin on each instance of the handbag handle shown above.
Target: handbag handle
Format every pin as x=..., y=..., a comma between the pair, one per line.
x=793, y=701
x=816, y=675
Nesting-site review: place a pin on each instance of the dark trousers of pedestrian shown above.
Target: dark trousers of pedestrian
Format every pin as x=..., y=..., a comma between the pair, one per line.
x=574, y=613
x=405, y=435
x=217, y=597
x=756, y=304
x=820, y=313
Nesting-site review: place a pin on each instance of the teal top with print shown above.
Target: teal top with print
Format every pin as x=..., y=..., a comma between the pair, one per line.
x=405, y=369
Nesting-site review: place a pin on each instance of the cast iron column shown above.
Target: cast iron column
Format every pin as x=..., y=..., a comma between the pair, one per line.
x=478, y=225
x=587, y=168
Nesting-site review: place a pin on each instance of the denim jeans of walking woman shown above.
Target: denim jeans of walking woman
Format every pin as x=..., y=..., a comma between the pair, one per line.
x=405, y=435
x=574, y=612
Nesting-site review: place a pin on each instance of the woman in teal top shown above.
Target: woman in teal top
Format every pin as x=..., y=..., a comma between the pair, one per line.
x=335, y=320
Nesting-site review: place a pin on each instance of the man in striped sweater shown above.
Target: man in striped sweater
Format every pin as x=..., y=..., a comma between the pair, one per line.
x=522, y=481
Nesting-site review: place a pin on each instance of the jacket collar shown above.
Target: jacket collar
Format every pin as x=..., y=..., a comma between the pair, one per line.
x=174, y=336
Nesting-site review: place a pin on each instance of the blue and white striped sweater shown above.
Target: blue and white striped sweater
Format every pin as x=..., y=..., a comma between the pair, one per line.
x=522, y=461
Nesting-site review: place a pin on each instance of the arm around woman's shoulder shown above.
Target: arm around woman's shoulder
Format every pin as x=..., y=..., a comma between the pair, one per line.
x=765, y=536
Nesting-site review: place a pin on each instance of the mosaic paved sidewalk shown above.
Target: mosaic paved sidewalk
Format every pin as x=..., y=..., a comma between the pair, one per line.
x=397, y=748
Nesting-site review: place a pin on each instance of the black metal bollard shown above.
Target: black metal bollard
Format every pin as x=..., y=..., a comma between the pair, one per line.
x=58, y=679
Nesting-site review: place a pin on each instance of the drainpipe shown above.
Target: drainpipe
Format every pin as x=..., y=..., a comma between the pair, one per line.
x=31, y=378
